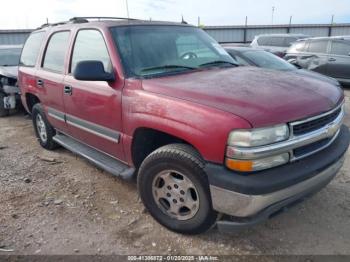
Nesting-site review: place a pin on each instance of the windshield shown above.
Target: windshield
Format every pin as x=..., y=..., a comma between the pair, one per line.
x=267, y=60
x=10, y=56
x=159, y=50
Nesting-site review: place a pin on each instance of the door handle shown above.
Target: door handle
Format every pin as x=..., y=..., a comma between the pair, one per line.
x=332, y=59
x=68, y=90
x=40, y=83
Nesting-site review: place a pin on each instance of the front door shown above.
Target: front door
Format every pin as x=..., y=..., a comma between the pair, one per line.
x=339, y=59
x=93, y=108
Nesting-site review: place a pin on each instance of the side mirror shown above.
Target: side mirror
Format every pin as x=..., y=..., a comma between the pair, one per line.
x=92, y=70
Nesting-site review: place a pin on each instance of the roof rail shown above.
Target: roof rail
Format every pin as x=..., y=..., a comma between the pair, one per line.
x=85, y=19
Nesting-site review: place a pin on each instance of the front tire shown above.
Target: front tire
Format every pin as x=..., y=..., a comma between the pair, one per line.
x=43, y=129
x=175, y=190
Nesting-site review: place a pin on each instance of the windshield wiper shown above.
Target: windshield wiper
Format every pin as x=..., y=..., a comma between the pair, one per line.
x=217, y=62
x=167, y=67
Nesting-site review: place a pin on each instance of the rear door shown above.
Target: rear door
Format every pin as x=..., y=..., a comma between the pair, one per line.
x=339, y=59
x=93, y=108
x=316, y=56
x=27, y=65
x=50, y=78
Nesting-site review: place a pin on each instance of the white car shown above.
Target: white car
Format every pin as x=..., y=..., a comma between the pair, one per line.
x=276, y=43
x=9, y=91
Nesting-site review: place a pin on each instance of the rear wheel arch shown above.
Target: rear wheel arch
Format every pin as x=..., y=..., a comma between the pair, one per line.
x=31, y=101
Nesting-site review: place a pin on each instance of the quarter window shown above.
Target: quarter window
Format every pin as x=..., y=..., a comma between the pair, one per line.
x=90, y=45
x=340, y=48
x=31, y=49
x=56, y=52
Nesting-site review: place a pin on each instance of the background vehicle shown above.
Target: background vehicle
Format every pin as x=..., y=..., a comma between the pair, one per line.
x=276, y=43
x=260, y=58
x=9, y=92
x=327, y=55
x=166, y=103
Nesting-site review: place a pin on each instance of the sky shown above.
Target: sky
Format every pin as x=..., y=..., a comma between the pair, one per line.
x=30, y=14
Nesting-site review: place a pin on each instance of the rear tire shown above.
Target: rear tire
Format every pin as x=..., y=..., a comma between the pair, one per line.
x=175, y=190
x=43, y=129
x=3, y=112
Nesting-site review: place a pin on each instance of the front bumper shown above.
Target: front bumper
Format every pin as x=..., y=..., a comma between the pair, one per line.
x=251, y=198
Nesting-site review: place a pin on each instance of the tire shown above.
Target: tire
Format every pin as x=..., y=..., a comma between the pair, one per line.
x=40, y=122
x=177, y=165
x=3, y=112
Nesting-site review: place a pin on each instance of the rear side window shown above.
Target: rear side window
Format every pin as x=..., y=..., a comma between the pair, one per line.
x=318, y=47
x=31, y=49
x=288, y=41
x=56, y=52
x=340, y=48
x=90, y=45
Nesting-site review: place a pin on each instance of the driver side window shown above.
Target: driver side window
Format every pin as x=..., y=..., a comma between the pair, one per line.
x=192, y=45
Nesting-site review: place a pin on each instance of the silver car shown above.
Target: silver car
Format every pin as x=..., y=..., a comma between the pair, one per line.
x=326, y=55
x=276, y=43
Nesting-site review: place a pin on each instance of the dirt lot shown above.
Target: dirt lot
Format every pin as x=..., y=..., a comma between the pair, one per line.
x=57, y=203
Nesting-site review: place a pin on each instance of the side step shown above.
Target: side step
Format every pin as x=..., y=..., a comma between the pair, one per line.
x=94, y=156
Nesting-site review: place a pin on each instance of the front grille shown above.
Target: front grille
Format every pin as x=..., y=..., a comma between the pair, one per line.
x=315, y=124
x=308, y=149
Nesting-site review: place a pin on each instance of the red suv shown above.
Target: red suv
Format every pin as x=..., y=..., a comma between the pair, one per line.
x=210, y=143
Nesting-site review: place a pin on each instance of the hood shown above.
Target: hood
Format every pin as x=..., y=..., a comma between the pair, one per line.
x=262, y=97
x=9, y=71
x=318, y=76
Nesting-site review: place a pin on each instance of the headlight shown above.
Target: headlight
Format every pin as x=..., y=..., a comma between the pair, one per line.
x=259, y=136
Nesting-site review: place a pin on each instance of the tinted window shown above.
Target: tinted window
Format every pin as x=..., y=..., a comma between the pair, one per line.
x=31, y=49
x=90, y=45
x=340, y=48
x=10, y=56
x=318, y=46
x=267, y=60
x=56, y=52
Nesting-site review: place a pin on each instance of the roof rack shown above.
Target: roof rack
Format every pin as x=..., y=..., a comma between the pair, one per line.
x=85, y=19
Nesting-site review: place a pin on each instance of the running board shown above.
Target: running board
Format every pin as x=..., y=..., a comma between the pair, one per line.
x=101, y=160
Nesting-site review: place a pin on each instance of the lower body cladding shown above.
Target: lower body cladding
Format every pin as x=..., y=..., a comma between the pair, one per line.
x=248, y=199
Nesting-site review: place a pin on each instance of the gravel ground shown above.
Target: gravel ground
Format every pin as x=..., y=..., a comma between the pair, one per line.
x=57, y=203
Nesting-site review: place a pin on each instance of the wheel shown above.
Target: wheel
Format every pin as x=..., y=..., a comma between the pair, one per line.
x=175, y=190
x=43, y=129
x=3, y=111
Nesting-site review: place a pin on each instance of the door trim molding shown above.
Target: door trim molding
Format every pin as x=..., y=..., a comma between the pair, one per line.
x=87, y=126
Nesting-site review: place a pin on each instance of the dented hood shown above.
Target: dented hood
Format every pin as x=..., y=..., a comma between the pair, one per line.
x=262, y=97
x=9, y=71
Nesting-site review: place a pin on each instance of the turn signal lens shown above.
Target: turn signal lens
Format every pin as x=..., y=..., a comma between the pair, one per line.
x=257, y=164
x=239, y=165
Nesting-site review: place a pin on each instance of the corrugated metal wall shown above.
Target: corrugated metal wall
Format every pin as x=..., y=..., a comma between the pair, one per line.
x=244, y=34
x=223, y=34
x=13, y=37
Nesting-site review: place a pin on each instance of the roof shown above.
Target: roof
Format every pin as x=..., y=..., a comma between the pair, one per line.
x=295, y=35
x=345, y=37
x=241, y=48
x=10, y=46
